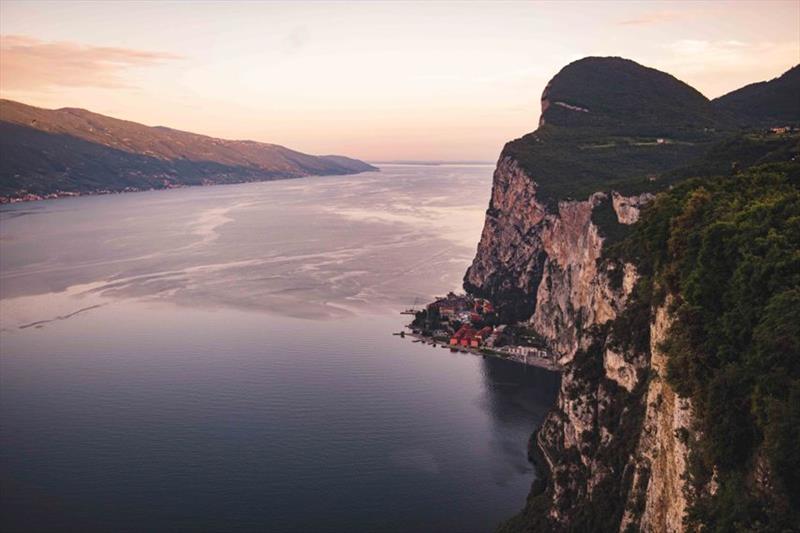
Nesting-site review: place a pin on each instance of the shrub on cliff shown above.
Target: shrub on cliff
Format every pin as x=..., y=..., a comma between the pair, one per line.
x=728, y=249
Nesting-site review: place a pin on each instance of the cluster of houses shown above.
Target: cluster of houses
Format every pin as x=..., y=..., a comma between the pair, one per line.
x=462, y=308
x=462, y=319
x=469, y=337
x=488, y=337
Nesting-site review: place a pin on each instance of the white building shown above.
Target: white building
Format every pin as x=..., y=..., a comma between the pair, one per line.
x=526, y=351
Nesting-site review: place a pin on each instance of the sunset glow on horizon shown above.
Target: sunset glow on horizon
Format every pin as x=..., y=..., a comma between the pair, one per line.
x=378, y=81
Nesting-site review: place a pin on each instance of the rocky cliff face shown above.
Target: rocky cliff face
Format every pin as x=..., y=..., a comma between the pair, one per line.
x=614, y=445
x=659, y=488
x=544, y=266
x=510, y=259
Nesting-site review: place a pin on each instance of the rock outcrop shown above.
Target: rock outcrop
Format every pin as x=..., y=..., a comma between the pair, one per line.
x=615, y=435
x=545, y=266
x=510, y=259
x=659, y=485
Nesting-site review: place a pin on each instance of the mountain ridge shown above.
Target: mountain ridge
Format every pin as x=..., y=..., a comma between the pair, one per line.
x=76, y=151
x=775, y=102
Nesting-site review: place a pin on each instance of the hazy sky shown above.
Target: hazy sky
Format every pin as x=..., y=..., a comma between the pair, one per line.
x=377, y=80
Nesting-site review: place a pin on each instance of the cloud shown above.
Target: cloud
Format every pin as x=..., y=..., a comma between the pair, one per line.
x=716, y=67
x=731, y=55
x=690, y=47
x=27, y=63
x=655, y=17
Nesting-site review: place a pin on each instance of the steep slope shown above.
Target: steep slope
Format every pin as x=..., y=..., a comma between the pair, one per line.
x=615, y=449
x=765, y=104
x=74, y=150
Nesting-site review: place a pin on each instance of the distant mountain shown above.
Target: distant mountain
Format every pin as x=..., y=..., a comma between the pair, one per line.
x=355, y=165
x=45, y=152
x=767, y=103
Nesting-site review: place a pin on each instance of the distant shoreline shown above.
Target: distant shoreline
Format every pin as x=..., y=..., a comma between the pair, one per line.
x=434, y=163
x=31, y=197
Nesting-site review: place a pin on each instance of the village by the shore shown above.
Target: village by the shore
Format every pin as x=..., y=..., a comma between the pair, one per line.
x=467, y=324
x=26, y=196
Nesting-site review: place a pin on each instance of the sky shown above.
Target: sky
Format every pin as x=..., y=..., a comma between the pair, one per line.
x=375, y=80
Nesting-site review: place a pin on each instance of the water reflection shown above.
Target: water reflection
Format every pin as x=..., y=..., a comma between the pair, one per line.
x=327, y=248
x=515, y=395
x=222, y=359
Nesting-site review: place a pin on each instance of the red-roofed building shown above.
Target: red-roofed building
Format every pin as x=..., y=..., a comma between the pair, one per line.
x=480, y=337
x=462, y=336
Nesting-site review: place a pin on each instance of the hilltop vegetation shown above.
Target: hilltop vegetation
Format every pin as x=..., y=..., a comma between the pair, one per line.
x=572, y=165
x=621, y=96
x=610, y=123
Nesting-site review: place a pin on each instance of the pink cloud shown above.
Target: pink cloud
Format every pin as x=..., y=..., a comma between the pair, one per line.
x=27, y=63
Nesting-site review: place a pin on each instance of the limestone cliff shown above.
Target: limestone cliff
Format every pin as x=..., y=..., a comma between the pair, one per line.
x=611, y=441
x=659, y=487
x=510, y=259
x=545, y=266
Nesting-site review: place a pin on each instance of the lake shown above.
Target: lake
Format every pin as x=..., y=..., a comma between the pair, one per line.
x=222, y=359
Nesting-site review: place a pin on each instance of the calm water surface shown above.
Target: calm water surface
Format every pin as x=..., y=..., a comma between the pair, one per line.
x=221, y=359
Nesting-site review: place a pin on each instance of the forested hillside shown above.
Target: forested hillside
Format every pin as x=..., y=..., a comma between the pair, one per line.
x=727, y=250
